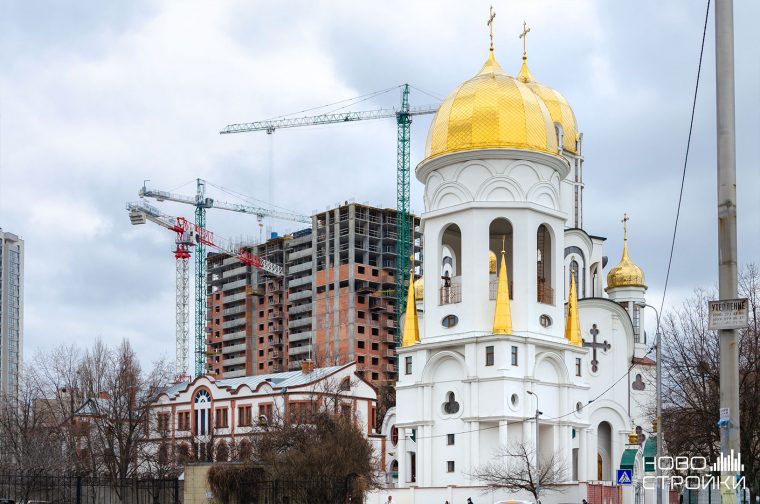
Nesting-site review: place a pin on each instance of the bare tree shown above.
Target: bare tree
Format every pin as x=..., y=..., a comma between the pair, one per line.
x=513, y=468
x=691, y=392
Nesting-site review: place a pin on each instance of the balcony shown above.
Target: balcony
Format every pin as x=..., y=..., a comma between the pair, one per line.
x=234, y=348
x=300, y=281
x=233, y=311
x=450, y=295
x=227, y=324
x=297, y=296
x=298, y=268
x=233, y=335
x=303, y=349
x=234, y=297
x=238, y=373
x=305, y=321
x=299, y=254
x=234, y=361
x=295, y=310
x=302, y=336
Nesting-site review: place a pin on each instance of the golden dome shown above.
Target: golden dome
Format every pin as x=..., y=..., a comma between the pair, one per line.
x=491, y=262
x=625, y=273
x=419, y=288
x=491, y=110
x=557, y=105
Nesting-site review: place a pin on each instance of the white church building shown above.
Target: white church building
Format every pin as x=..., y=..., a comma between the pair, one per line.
x=513, y=314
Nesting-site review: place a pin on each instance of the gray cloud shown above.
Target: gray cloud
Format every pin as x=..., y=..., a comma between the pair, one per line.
x=95, y=98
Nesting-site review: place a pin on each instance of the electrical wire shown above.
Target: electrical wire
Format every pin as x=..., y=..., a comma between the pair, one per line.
x=426, y=92
x=361, y=97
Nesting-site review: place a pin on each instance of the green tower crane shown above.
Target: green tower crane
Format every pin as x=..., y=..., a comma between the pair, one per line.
x=403, y=118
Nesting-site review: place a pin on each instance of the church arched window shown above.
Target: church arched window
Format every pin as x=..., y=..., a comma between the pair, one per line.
x=544, y=285
x=575, y=271
x=451, y=265
x=500, y=236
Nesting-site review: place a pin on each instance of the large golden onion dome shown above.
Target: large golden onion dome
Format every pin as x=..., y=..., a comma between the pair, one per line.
x=419, y=289
x=559, y=109
x=625, y=273
x=491, y=110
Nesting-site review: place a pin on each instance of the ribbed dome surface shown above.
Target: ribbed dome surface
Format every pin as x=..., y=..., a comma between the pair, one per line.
x=491, y=110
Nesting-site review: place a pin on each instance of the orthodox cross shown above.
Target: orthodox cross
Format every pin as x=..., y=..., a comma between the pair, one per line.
x=492, y=14
x=625, y=225
x=524, y=36
x=594, y=345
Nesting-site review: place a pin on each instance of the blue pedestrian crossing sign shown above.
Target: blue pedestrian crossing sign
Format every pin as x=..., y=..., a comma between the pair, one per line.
x=624, y=476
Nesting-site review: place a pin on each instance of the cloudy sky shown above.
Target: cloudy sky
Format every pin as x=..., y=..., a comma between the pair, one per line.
x=97, y=96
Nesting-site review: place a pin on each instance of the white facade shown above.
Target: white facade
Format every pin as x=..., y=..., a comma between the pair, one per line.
x=190, y=415
x=463, y=390
x=11, y=311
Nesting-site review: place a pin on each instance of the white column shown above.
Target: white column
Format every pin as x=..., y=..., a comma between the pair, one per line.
x=427, y=445
x=401, y=457
x=474, y=446
x=503, y=433
x=582, y=455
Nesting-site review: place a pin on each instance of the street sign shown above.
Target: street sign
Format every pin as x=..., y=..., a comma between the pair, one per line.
x=624, y=476
x=728, y=314
x=725, y=413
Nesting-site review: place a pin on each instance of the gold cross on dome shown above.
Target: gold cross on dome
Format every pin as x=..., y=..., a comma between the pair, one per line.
x=524, y=36
x=625, y=225
x=492, y=14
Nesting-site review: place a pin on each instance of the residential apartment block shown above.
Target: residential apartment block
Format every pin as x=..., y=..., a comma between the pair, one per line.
x=334, y=304
x=11, y=311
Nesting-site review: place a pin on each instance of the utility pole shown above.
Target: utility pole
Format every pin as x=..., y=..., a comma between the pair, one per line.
x=658, y=393
x=727, y=274
x=538, y=468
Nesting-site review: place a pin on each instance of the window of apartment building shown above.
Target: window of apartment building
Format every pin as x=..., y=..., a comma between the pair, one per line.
x=261, y=366
x=265, y=410
x=375, y=316
x=408, y=365
x=374, y=376
x=261, y=353
x=514, y=355
x=183, y=421
x=261, y=340
x=216, y=334
x=375, y=272
x=360, y=344
x=450, y=466
x=244, y=416
x=374, y=361
x=375, y=331
x=261, y=328
x=261, y=314
x=220, y=420
x=360, y=269
x=360, y=359
x=361, y=329
x=163, y=422
x=360, y=299
x=216, y=308
x=360, y=314
x=218, y=296
x=577, y=366
x=489, y=355
x=374, y=346
x=216, y=321
x=450, y=439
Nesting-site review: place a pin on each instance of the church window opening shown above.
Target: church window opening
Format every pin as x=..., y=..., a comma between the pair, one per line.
x=575, y=271
x=636, y=323
x=545, y=321
x=514, y=356
x=394, y=435
x=451, y=406
x=514, y=400
x=450, y=439
x=578, y=407
x=449, y=321
x=451, y=265
x=408, y=365
x=489, y=355
x=544, y=287
x=450, y=466
x=577, y=366
x=500, y=237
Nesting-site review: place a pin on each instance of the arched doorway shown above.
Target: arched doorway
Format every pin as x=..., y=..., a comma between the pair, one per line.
x=604, y=451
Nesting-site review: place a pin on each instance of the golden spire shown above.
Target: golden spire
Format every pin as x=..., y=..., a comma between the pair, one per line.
x=625, y=273
x=525, y=75
x=502, y=317
x=491, y=15
x=572, y=322
x=411, y=325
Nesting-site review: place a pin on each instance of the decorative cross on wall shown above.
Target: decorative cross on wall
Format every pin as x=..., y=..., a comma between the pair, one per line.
x=594, y=345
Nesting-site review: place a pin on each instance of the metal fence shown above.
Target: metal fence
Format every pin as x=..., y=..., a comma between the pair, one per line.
x=69, y=489
x=325, y=491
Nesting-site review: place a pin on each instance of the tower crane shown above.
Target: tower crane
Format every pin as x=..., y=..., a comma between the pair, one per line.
x=201, y=204
x=189, y=234
x=403, y=129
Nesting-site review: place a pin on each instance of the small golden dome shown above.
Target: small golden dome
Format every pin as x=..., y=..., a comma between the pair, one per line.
x=559, y=109
x=419, y=288
x=491, y=110
x=625, y=273
x=491, y=262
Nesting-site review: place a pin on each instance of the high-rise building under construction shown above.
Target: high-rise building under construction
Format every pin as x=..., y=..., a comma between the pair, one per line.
x=334, y=304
